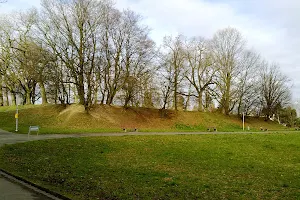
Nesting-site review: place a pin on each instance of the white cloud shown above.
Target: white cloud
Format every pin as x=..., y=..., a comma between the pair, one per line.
x=271, y=27
x=201, y=18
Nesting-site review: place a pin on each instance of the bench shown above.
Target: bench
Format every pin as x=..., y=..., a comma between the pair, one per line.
x=33, y=128
x=212, y=129
x=130, y=130
x=263, y=129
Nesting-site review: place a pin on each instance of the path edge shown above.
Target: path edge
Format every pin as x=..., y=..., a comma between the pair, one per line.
x=33, y=186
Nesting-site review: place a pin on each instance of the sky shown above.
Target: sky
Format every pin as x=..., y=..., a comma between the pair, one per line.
x=271, y=27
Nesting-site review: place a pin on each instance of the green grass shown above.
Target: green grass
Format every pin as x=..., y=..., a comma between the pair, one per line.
x=226, y=127
x=253, y=166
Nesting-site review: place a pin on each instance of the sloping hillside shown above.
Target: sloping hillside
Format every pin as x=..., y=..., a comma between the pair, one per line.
x=73, y=119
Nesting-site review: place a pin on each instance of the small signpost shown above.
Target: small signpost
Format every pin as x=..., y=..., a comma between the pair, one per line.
x=17, y=118
x=243, y=121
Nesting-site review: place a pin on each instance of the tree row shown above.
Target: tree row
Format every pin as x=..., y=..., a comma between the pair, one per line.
x=89, y=52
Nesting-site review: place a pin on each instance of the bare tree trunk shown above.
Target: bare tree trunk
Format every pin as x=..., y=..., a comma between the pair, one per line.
x=69, y=93
x=240, y=106
x=13, y=98
x=75, y=96
x=6, y=97
x=102, y=98
x=33, y=96
x=1, y=92
x=200, y=102
x=96, y=95
x=80, y=89
x=43, y=93
x=28, y=97
x=126, y=102
x=175, y=93
x=88, y=103
x=227, y=96
x=111, y=96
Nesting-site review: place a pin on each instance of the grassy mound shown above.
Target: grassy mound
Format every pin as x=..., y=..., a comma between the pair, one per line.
x=252, y=166
x=73, y=119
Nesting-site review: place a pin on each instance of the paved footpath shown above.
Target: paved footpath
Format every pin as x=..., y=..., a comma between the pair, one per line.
x=12, y=138
x=12, y=190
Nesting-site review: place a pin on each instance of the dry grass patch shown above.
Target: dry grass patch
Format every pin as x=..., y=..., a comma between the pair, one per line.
x=104, y=118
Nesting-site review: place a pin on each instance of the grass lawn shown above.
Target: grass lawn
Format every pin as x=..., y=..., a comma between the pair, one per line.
x=253, y=166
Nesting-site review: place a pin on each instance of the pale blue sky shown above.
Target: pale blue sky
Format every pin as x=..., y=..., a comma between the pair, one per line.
x=271, y=27
x=14, y=5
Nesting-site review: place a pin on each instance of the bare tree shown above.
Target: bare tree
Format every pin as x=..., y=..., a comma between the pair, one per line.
x=15, y=39
x=73, y=28
x=6, y=30
x=166, y=83
x=227, y=46
x=275, y=91
x=200, y=67
x=24, y=63
x=137, y=54
x=174, y=64
x=247, y=81
x=112, y=41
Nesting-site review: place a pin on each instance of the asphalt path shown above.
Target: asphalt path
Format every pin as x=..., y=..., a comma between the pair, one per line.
x=13, y=190
x=12, y=138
